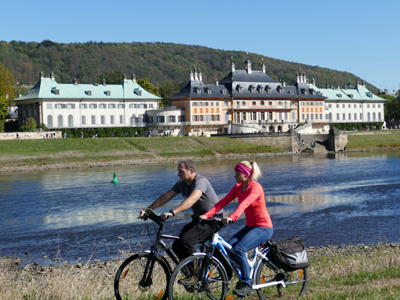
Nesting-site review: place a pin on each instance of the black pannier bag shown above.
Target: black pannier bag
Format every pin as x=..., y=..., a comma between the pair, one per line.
x=289, y=255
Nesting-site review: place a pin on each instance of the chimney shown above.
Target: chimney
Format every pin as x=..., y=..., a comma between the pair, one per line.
x=41, y=75
x=124, y=77
x=217, y=83
x=75, y=82
x=200, y=76
x=52, y=76
x=104, y=81
x=191, y=77
x=248, y=66
x=233, y=66
x=133, y=77
x=196, y=76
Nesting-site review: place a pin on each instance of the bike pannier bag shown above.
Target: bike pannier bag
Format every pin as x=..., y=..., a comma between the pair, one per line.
x=290, y=254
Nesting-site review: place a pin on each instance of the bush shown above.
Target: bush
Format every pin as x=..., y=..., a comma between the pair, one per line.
x=30, y=125
x=2, y=125
x=103, y=132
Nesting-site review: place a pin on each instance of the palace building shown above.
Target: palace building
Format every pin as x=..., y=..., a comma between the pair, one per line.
x=95, y=105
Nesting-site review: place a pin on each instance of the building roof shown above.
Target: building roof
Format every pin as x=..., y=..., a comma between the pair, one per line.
x=360, y=92
x=48, y=88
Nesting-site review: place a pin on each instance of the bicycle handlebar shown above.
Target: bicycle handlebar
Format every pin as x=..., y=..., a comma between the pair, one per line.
x=151, y=215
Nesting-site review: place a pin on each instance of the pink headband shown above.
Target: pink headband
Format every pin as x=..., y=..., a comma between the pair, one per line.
x=242, y=169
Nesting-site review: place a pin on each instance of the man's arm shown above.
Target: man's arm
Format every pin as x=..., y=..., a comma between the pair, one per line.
x=164, y=198
x=186, y=204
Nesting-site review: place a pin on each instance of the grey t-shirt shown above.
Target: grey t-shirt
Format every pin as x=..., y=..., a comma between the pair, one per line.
x=207, y=200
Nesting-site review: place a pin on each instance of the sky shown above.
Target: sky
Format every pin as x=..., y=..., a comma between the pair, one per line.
x=359, y=37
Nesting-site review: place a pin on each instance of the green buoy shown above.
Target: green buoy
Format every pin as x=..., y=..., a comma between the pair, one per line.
x=115, y=180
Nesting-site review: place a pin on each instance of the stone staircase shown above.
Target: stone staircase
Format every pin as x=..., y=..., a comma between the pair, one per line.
x=321, y=142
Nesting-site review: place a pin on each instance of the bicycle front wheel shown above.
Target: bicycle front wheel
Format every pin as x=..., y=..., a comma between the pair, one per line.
x=214, y=286
x=134, y=280
x=296, y=283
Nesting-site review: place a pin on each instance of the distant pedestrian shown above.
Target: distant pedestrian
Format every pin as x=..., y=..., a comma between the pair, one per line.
x=65, y=135
x=125, y=134
x=81, y=134
x=303, y=142
x=17, y=136
x=136, y=133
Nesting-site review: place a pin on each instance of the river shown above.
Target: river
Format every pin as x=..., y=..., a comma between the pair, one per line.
x=77, y=215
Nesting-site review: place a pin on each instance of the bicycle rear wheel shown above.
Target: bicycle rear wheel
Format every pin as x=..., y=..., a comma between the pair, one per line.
x=131, y=282
x=214, y=287
x=296, y=283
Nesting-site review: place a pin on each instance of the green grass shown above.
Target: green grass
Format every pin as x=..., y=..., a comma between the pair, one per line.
x=50, y=151
x=385, y=140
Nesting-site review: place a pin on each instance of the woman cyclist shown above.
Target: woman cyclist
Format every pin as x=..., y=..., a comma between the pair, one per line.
x=258, y=227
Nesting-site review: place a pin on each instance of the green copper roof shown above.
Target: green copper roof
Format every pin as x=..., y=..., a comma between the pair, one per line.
x=46, y=88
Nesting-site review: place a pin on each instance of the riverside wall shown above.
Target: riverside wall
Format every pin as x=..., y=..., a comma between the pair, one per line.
x=29, y=135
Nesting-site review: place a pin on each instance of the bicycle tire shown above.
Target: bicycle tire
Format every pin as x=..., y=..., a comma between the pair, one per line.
x=215, y=287
x=128, y=282
x=296, y=283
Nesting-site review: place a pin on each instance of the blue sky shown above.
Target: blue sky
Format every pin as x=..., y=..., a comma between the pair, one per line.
x=360, y=37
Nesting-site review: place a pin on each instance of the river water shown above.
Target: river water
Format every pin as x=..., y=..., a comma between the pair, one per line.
x=77, y=215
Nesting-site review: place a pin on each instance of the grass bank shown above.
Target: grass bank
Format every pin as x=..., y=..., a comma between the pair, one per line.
x=63, y=151
x=376, y=140
x=369, y=273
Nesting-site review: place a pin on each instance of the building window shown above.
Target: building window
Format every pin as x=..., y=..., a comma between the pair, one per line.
x=82, y=105
x=194, y=103
x=92, y=105
x=355, y=105
x=349, y=116
x=195, y=118
x=344, y=116
x=361, y=116
x=201, y=118
x=302, y=116
x=211, y=103
x=112, y=120
x=320, y=116
x=70, y=121
x=60, y=121
x=349, y=105
x=160, y=119
x=373, y=116
x=254, y=103
x=355, y=116
x=172, y=119
x=226, y=103
x=367, y=105
x=330, y=105
x=103, y=119
x=337, y=105
x=121, y=105
x=337, y=117
x=102, y=105
x=121, y=119
x=212, y=118
x=57, y=105
x=316, y=116
x=262, y=116
x=50, y=121
x=49, y=106
x=200, y=103
x=217, y=117
x=83, y=120
x=368, y=116
x=93, y=120
x=205, y=103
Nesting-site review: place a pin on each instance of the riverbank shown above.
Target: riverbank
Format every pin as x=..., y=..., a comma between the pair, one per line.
x=344, y=272
x=53, y=154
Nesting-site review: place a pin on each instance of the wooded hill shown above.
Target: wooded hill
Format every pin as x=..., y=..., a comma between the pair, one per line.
x=161, y=63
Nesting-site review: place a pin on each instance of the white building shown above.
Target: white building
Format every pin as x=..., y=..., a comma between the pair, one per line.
x=352, y=105
x=86, y=105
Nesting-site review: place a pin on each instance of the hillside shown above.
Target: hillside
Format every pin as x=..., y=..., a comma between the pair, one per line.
x=159, y=62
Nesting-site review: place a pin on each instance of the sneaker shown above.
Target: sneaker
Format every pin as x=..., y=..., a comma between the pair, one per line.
x=244, y=290
x=188, y=281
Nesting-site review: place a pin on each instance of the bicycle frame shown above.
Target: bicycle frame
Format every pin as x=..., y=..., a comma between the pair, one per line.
x=254, y=262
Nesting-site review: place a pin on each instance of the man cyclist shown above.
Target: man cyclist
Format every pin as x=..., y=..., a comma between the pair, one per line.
x=198, y=195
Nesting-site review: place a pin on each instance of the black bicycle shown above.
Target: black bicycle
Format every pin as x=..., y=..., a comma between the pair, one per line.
x=146, y=275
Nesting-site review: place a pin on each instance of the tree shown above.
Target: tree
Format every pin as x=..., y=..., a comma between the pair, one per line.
x=392, y=107
x=7, y=90
x=30, y=125
x=146, y=84
x=115, y=77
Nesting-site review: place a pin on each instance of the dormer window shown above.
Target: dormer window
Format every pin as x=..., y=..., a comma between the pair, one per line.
x=304, y=91
x=260, y=88
x=290, y=93
x=197, y=90
x=223, y=92
x=268, y=89
x=108, y=93
x=55, y=91
x=339, y=95
x=207, y=90
x=89, y=93
x=350, y=95
x=239, y=88
x=252, y=89
x=369, y=94
x=280, y=89
x=138, y=92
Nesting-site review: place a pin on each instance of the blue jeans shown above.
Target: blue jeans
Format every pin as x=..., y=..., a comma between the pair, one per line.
x=244, y=240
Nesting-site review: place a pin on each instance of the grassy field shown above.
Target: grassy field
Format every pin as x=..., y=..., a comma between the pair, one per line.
x=375, y=275
x=382, y=140
x=49, y=151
